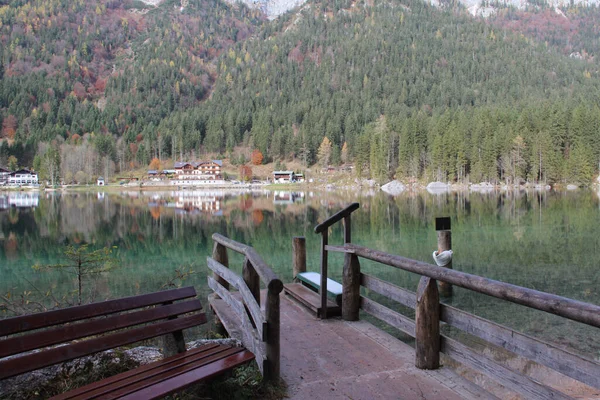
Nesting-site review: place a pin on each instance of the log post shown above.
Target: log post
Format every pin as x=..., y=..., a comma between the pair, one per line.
x=219, y=254
x=427, y=325
x=323, y=288
x=251, y=279
x=272, y=367
x=444, y=241
x=347, y=229
x=299, y=255
x=174, y=342
x=351, y=288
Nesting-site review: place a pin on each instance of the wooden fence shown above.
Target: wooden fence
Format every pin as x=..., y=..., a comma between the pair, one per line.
x=260, y=331
x=430, y=314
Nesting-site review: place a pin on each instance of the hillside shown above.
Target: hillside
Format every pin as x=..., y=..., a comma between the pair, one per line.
x=102, y=87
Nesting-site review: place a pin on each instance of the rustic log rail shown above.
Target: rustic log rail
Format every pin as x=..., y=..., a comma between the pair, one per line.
x=260, y=332
x=430, y=314
x=323, y=229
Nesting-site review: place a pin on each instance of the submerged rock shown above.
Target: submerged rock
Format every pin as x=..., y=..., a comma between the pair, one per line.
x=394, y=188
x=437, y=187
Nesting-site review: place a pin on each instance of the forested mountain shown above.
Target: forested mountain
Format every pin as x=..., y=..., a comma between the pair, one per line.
x=395, y=87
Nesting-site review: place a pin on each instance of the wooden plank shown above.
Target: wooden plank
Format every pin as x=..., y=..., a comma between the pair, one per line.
x=572, y=309
x=116, y=380
x=252, y=280
x=396, y=293
x=158, y=374
x=262, y=269
x=237, y=328
x=427, y=325
x=508, y=378
x=42, y=320
x=38, y=340
x=30, y=362
x=569, y=364
x=186, y=379
x=247, y=296
x=388, y=316
x=339, y=249
x=336, y=217
x=310, y=299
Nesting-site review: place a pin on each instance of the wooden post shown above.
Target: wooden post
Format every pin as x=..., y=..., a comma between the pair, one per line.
x=323, y=288
x=444, y=239
x=219, y=254
x=347, y=229
x=272, y=367
x=299, y=255
x=427, y=325
x=251, y=279
x=174, y=342
x=351, y=288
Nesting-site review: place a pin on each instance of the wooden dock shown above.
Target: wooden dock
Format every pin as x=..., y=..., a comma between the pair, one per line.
x=335, y=359
x=294, y=338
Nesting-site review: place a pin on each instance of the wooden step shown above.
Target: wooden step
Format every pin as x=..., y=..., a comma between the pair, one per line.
x=310, y=299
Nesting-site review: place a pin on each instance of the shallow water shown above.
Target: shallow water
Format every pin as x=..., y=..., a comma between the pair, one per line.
x=547, y=241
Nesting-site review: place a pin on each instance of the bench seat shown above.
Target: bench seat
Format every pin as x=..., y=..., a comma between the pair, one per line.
x=313, y=281
x=84, y=330
x=158, y=379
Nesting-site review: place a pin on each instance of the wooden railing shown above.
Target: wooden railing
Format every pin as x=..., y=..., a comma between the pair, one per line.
x=260, y=332
x=323, y=229
x=430, y=314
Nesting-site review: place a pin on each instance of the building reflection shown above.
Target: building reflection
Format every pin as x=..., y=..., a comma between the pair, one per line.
x=19, y=200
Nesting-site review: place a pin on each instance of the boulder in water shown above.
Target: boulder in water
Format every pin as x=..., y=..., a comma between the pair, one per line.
x=394, y=188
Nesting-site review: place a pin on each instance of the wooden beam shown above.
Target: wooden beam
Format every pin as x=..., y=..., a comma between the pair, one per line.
x=505, y=376
x=569, y=364
x=247, y=296
x=572, y=309
x=323, y=288
x=388, y=316
x=322, y=227
x=396, y=293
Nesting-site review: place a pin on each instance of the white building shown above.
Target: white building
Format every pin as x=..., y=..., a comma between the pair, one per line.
x=193, y=173
x=23, y=177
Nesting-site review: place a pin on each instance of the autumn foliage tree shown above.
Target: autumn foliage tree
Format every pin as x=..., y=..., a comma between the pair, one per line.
x=245, y=173
x=155, y=164
x=256, y=157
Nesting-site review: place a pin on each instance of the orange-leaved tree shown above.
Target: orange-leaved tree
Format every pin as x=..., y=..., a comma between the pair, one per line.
x=256, y=157
x=245, y=173
x=155, y=164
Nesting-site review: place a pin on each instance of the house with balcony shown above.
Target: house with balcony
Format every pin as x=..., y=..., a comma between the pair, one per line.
x=23, y=177
x=195, y=173
x=4, y=173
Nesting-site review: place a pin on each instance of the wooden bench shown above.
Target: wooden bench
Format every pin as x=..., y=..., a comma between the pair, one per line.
x=96, y=327
x=313, y=281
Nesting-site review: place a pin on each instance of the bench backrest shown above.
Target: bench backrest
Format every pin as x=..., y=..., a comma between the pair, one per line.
x=106, y=325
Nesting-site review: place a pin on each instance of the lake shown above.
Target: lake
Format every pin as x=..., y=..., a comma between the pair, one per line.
x=547, y=241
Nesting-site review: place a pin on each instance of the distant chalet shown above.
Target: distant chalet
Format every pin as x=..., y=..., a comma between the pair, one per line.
x=198, y=173
x=23, y=177
x=287, y=177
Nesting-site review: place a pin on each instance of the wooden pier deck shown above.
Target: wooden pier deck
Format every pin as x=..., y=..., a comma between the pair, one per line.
x=335, y=359
x=348, y=358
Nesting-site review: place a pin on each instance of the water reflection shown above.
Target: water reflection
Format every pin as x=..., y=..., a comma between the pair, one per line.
x=19, y=199
x=536, y=239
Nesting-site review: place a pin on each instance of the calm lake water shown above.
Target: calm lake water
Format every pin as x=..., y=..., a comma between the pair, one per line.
x=545, y=241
